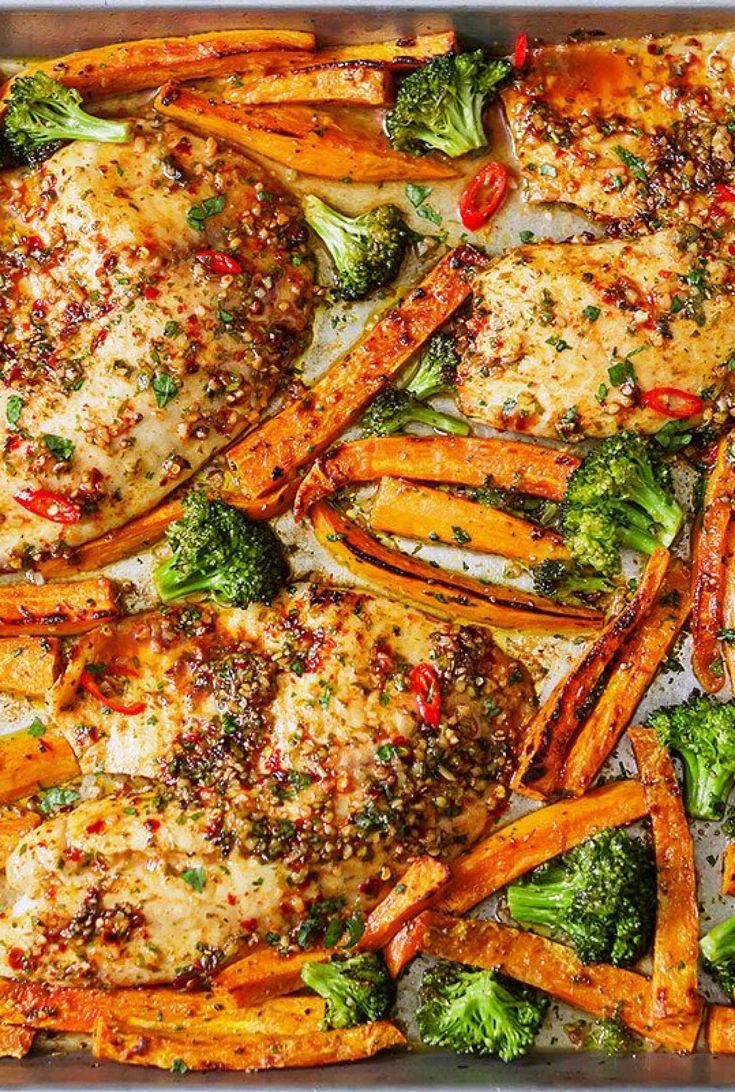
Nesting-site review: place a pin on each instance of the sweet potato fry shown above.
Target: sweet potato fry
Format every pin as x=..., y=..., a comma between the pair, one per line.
x=550, y=734
x=728, y=605
x=421, y=884
x=599, y=989
x=440, y=591
x=728, y=869
x=15, y=1042
x=359, y=83
x=636, y=665
x=148, y=62
x=536, y=838
x=294, y=437
x=58, y=609
x=12, y=829
x=451, y=460
x=29, y=665
x=29, y=761
x=418, y=511
x=710, y=559
x=405, y=946
x=264, y=973
x=312, y=143
x=720, y=1033
x=400, y=53
x=676, y=945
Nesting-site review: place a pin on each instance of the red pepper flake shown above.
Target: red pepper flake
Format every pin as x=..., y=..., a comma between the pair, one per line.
x=520, y=51
x=483, y=196
x=672, y=402
x=424, y=682
x=51, y=506
x=216, y=261
x=150, y=292
x=89, y=683
x=725, y=192
x=96, y=827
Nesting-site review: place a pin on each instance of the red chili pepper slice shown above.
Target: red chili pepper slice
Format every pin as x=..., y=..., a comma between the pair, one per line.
x=483, y=196
x=520, y=51
x=424, y=682
x=216, y=261
x=88, y=681
x=672, y=402
x=725, y=192
x=51, y=506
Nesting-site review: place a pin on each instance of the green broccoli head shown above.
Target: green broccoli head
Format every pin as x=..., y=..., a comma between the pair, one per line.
x=611, y=1037
x=563, y=581
x=357, y=988
x=219, y=552
x=619, y=497
x=701, y=732
x=718, y=952
x=601, y=897
x=42, y=114
x=473, y=1011
x=367, y=250
x=440, y=105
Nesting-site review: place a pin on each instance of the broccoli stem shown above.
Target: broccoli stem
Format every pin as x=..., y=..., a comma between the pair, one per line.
x=66, y=122
x=706, y=791
x=634, y=538
x=442, y=422
x=331, y=226
x=718, y=946
x=538, y=904
x=171, y=584
x=659, y=507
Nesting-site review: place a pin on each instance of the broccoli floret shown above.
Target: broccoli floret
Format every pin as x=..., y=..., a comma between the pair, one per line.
x=562, y=581
x=41, y=114
x=398, y=406
x=701, y=731
x=357, y=988
x=441, y=104
x=718, y=952
x=473, y=1011
x=600, y=896
x=611, y=1037
x=221, y=553
x=367, y=250
x=619, y=497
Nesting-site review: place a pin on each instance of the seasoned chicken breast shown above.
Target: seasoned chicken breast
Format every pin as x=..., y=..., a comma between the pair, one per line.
x=564, y=338
x=154, y=294
x=621, y=127
x=287, y=763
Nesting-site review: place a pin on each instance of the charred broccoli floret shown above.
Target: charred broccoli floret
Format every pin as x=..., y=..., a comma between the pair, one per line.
x=473, y=1011
x=357, y=988
x=398, y=406
x=367, y=250
x=562, y=581
x=718, y=952
x=701, y=732
x=42, y=114
x=219, y=552
x=440, y=106
x=619, y=497
x=600, y=896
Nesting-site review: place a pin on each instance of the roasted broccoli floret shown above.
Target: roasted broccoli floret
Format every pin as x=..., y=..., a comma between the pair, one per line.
x=473, y=1011
x=440, y=105
x=219, y=552
x=611, y=1037
x=367, y=250
x=701, y=732
x=718, y=953
x=619, y=497
x=600, y=896
x=357, y=988
x=42, y=114
x=398, y=406
x=562, y=581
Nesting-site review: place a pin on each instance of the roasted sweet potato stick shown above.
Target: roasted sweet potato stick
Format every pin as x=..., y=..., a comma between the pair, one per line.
x=29, y=665
x=720, y=1034
x=451, y=460
x=32, y=759
x=635, y=668
x=12, y=829
x=399, y=53
x=418, y=511
x=405, y=946
x=550, y=734
x=348, y=82
x=312, y=143
x=264, y=973
x=536, y=838
x=440, y=591
x=599, y=989
x=728, y=606
x=56, y=609
x=295, y=436
x=710, y=559
x=421, y=884
x=676, y=945
x=15, y=1042
x=728, y=869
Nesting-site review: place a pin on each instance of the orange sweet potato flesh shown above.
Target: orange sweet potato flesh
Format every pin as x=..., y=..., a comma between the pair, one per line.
x=450, y=460
x=399, y=53
x=551, y=733
x=636, y=666
x=405, y=946
x=313, y=143
x=15, y=1042
x=29, y=762
x=728, y=869
x=599, y=989
x=421, y=884
x=418, y=511
x=57, y=609
x=264, y=973
x=676, y=944
x=720, y=1034
x=29, y=665
x=357, y=83
x=12, y=829
x=536, y=838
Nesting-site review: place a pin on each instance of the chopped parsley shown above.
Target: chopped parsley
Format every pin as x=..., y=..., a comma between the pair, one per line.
x=198, y=215
x=164, y=388
x=61, y=448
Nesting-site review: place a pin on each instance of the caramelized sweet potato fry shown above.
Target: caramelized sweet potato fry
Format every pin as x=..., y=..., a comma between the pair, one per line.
x=29, y=665
x=676, y=945
x=360, y=83
x=728, y=869
x=57, y=609
x=550, y=734
x=264, y=973
x=405, y=946
x=15, y=1042
x=418, y=511
x=29, y=761
x=309, y=142
x=720, y=1034
x=399, y=53
x=636, y=665
x=293, y=438
x=12, y=829
x=536, y=838
x=451, y=460
x=728, y=606
x=421, y=884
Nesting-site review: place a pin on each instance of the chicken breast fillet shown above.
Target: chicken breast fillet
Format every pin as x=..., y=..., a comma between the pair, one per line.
x=154, y=294
x=565, y=338
x=283, y=775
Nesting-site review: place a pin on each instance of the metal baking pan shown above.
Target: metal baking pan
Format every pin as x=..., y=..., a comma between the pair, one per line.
x=58, y=26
